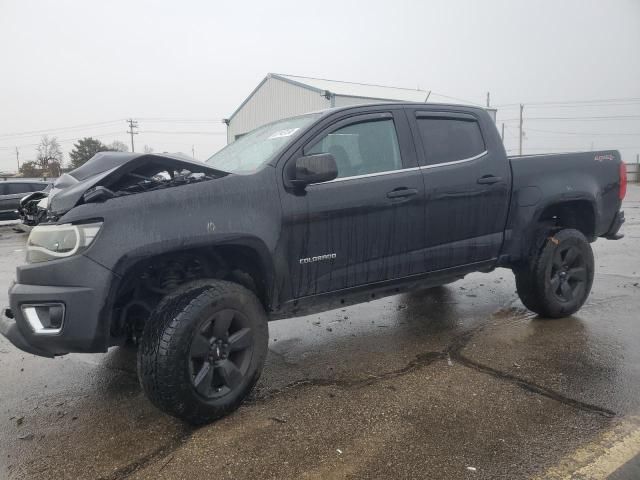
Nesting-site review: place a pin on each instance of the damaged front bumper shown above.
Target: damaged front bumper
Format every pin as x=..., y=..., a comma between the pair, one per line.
x=9, y=329
x=50, y=320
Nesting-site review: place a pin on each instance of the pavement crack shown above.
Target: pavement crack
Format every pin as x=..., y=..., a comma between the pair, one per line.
x=532, y=387
x=419, y=361
x=453, y=352
x=159, y=453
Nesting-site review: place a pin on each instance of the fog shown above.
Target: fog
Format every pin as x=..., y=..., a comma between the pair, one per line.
x=180, y=67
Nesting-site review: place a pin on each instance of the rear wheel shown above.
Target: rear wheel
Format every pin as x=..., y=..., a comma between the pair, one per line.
x=557, y=280
x=203, y=350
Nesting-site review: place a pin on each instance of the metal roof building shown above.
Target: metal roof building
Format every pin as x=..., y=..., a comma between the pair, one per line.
x=280, y=96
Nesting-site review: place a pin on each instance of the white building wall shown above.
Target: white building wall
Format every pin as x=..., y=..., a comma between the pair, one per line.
x=274, y=100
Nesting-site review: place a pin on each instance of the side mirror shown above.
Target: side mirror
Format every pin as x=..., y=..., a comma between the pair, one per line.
x=314, y=169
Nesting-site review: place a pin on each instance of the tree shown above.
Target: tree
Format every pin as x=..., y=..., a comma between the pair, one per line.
x=49, y=152
x=55, y=168
x=84, y=149
x=118, y=146
x=30, y=169
x=148, y=149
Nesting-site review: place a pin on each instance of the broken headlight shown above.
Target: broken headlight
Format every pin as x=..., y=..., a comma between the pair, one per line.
x=50, y=242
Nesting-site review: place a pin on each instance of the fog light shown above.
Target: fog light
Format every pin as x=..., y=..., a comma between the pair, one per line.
x=45, y=318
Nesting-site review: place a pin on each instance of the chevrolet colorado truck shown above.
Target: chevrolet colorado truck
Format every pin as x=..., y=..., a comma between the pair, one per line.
x=189, y=260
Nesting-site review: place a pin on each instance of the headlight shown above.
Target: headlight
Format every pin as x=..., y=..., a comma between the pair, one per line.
x=49, y=242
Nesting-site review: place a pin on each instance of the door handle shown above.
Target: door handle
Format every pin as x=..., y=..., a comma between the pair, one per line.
x=402, y=192
x=489, y=179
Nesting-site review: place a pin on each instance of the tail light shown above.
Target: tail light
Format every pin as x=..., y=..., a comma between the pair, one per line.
x=623, y=181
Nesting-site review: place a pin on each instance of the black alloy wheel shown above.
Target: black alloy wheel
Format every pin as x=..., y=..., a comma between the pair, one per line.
x=203, y=349
x=568, y=274
x=220, y=353
x=556, y=280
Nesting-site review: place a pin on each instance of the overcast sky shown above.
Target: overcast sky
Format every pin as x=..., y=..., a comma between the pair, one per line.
x=181, y=66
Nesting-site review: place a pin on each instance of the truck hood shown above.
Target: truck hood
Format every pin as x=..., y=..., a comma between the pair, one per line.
x=114, y=174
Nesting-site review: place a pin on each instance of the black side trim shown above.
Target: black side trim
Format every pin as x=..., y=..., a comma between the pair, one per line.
x=373, y=291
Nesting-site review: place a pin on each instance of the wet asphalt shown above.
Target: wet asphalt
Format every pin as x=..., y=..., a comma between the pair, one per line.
x=456, y=382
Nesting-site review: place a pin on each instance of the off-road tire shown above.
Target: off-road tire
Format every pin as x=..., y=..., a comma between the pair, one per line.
x=164, y=356
x=540, y=282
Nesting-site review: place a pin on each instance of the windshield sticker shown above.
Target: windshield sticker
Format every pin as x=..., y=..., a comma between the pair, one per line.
x=283, y=133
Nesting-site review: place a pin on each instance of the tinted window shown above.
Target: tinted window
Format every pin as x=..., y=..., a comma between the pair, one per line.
x=362, y=148
x=448, y=139
x=36, y=187
x=15, y=188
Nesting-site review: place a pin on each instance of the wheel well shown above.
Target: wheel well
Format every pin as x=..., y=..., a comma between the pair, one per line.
x=578, y=214
x=147, y=281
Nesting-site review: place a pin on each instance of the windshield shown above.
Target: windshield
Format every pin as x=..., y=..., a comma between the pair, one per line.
x=254, y=149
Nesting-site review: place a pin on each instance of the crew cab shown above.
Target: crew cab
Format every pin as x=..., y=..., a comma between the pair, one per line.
x=190, y=260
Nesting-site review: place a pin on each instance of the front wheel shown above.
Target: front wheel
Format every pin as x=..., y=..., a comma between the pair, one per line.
x=557, y=280
x=203, y=349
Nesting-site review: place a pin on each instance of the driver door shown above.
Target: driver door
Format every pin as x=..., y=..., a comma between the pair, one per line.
x=367, y=225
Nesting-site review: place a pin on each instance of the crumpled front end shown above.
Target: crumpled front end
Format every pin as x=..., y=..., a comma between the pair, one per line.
x=60, y=302
x=33, y=208
x=114, y=174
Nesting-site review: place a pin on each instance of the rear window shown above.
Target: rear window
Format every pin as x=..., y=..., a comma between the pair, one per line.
x=450, y=139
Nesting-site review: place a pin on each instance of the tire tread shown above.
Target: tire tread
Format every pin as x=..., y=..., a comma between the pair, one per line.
x=164, y=348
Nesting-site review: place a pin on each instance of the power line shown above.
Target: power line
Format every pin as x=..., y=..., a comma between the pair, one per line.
x=601, y=117
x=456, y=98
x=67, y=140
x=573, y=102
x=586, y=105
x=59, y=129
x=110, y=133
x=180, y=120
x=600, y=134
x=181, y=132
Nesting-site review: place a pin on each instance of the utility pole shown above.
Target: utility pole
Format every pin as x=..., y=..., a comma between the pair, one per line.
x=520, y=142
x=488, y=99
x=133, y=125
x=18, y=159
x=502, y=135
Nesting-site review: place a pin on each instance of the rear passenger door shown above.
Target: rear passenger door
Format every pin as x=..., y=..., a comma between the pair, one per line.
x=367, y=225
x=466, y=186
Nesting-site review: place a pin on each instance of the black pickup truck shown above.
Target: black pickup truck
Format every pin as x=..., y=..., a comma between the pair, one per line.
x=190, y=260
